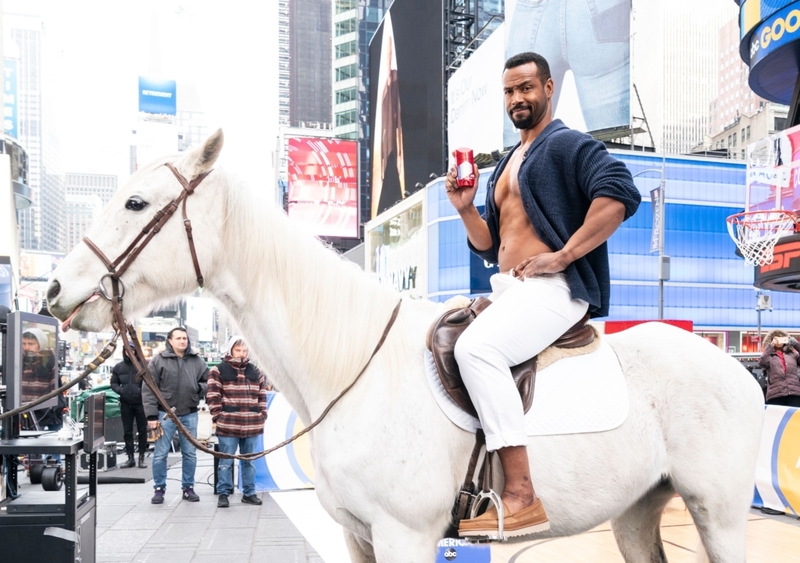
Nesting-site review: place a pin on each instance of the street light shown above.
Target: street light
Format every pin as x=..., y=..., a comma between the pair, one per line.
x=658, y=228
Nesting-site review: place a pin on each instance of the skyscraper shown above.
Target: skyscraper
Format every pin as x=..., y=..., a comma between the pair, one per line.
x=737, y=117
x=675, y=61
x=41, y=225
x=309, y=30
x=354, y=24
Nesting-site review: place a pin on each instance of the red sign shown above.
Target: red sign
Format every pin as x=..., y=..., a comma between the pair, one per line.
x=322, y=179
x=619, y=326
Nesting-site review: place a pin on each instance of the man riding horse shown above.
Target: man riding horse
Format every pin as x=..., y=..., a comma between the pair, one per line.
x=551, y=204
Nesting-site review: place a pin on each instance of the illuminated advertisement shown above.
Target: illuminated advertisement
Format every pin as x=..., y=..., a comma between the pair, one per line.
x=773, y=172
x=770, y=45
x=587, y=45
x=406, y=102
x=157, y=96
x=10, y=118
x=322, y=177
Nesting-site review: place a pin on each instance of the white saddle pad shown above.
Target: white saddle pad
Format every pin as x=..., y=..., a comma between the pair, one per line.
x=577, y=394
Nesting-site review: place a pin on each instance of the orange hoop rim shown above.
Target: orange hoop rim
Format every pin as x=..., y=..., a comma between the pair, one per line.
x=763, y=217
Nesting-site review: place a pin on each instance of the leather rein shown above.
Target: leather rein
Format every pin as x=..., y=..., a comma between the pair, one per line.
x=127, y=332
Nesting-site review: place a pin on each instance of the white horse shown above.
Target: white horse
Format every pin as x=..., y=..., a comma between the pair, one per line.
x=388, y=463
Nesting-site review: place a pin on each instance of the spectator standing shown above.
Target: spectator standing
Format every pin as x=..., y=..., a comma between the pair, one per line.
x=181, y=375
x=124, y=384
x=779, y=360
x=237, y=399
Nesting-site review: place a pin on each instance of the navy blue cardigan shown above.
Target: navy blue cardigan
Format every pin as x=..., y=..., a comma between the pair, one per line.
x=560, y=175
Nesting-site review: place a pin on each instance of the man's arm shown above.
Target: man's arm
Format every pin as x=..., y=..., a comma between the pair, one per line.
x=605, y=215
x=202, y=383
x=148, y=399
x=214, y=394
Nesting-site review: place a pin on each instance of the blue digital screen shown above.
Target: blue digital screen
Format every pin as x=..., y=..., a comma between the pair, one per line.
x=157, y=96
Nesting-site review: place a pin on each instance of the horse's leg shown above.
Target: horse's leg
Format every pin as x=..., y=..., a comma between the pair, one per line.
x=637, y=530
x=722, y=527
x=395, y=543
x=360, y=551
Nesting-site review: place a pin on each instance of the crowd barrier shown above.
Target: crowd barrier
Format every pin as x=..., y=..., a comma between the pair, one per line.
x=778, y=468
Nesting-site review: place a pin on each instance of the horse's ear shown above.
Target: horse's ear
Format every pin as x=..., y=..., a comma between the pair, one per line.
x=202, y=158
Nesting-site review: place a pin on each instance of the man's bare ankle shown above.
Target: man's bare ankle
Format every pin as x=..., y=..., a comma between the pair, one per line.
x=518, y=500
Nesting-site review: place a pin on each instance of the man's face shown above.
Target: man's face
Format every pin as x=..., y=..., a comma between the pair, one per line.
x=30, y=345
x=527, y=99
x=179, y=341
x=239, y=351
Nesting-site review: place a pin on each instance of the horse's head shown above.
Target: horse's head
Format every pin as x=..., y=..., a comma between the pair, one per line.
x=163, y=269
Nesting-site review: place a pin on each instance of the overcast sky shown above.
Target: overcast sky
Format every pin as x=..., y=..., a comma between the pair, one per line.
x=99, y=48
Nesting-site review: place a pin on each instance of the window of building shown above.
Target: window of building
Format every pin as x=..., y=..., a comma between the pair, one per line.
x=345, y=118
x=346, y=49
x=734, y=139
x=344, y=5
x=344, y=96
x=748, y=132
x=729, y=140
x=346, y=71
x=780, y=123
x=346, y=26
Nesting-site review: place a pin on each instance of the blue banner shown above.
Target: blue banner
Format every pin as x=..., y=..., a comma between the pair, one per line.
x=157, y=96
x=10, y=119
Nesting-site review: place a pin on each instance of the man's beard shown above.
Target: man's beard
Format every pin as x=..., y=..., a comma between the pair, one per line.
x=524, y=123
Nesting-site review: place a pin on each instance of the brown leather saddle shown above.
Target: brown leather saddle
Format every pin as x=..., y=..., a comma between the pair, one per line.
x=441, y=341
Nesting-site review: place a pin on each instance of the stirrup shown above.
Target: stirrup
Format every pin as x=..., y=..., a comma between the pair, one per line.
x=494, y=498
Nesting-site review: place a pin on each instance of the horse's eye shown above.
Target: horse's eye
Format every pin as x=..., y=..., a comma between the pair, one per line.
x=135, y=204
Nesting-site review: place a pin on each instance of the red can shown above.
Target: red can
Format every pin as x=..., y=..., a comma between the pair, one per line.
x=465, y=168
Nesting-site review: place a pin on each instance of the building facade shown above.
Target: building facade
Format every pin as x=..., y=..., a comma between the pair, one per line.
x=675, y=64
x=41, y=225
x=80, y=212
x=309, y=38
x=737, y=116
x=354, y=24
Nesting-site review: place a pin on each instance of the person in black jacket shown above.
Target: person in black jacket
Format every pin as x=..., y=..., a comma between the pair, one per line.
x=124, y=384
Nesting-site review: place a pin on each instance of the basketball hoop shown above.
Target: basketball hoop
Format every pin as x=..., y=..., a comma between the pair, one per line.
x=756, y=232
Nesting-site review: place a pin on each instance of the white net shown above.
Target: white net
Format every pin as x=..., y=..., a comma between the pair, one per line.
x=756, y=233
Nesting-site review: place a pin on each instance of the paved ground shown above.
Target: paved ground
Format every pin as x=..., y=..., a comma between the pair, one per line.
x=130, y=528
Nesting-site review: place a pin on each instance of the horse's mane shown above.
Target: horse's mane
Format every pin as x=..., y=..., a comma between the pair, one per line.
x=292, y=272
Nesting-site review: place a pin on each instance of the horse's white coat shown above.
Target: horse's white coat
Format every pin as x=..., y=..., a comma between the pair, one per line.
x=387, y=461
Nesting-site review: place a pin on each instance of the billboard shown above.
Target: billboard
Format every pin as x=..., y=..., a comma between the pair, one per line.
x=322, y=190
x=157, y=96
x=397, y=251
x=475, y=99
x=10, y=118
x=38, y=265
x=773, y=172
x=588, y=48
x=406, y=101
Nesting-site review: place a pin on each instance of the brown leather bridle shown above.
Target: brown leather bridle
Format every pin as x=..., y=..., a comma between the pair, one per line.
x=124, y=260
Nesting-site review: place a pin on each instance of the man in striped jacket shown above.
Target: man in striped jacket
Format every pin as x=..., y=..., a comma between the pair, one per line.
x=237, y=397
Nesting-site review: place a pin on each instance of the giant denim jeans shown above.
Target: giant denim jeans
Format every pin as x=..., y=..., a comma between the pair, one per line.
x=589, y=37
x=228, y=445
x=163, y=446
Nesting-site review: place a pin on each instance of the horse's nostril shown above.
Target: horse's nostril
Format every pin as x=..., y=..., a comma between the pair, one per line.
x=53, y=290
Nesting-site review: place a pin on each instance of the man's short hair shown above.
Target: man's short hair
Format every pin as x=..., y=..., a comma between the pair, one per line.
x=542, y=66
x=177, y=329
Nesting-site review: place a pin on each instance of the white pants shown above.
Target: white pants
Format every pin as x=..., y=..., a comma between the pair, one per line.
x=524, y=319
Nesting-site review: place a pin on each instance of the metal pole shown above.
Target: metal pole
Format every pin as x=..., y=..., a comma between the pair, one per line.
x=759, y=330
x=661, y=276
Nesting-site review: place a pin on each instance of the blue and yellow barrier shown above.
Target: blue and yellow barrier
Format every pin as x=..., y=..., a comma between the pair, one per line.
x=778, y=468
